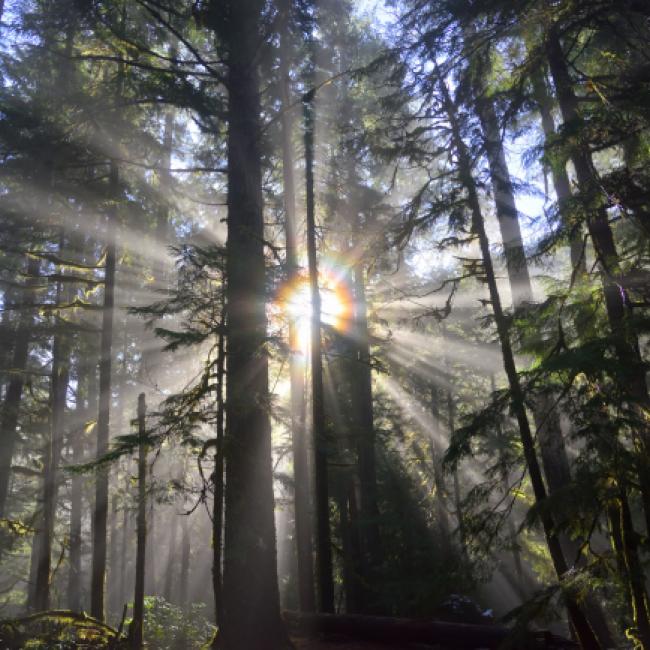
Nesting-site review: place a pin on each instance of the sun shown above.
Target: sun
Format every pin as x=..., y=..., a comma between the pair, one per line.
x=336, y=306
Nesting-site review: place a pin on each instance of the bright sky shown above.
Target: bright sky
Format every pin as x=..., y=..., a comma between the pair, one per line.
x=373, y=9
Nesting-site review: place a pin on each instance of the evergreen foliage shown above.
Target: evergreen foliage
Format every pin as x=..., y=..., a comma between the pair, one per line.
x=381, y=273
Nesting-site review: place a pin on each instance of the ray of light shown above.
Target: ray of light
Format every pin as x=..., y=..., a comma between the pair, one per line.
x=337, y=304
x=485, y=357
x=422, y=416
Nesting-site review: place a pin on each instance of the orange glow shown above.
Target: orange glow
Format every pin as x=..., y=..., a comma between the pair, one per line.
x=336, y=305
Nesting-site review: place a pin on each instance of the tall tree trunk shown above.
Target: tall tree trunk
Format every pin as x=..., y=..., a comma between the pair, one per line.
x=120, y=425
x=217, y=479
x=577, y=618
x=53, y=448
x=436, y=452
x=168, y=585
x=135, y=631
x=555, y=460
x=304, y=549
x=351, y=561
x=76, y=491
x=60, y=374
x=79, y=452
x=6, y=353
x=635, y=573
x=124, y=555
x=184, y=577
x=151, y=569
x=323, y=546
x=547, y=420
x=365, y=439
x=632, y=375
x=458, y=501
x=113, y=560
x=504, y=201
x=13, y=395
x=34, y=555
x=100, y=512
x=505, y=482
x=561, y=182
x=251, y=613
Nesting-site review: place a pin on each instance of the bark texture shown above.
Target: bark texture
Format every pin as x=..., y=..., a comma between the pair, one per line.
x=251, y=612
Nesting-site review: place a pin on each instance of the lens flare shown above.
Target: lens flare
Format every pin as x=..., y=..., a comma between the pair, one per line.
x=294, y=298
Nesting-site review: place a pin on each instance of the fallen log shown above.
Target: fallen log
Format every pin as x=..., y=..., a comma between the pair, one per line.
x=46, y=628
x=402, y=632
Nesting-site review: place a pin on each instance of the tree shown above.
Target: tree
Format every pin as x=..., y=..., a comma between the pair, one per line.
x=298, y=428
x=251, y=615
x=135, y=631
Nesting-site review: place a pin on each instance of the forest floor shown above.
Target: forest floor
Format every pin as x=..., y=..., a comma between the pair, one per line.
x=315, y=644
x=302, y=643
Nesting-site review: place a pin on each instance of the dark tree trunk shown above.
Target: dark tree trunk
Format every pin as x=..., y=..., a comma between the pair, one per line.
x=52, y=452
x=76, y=493
x=184, y=577
x=545, y=413
x=632, y=375
x=6, y=353
x=559, y=173
x=504, y=201
x=635, y=573
x=135, y=631
x=547, y=420
x=151, y=569
x=60, y=376
x=251, y=613
x=321, y=452
x=13, y=395
x=124, y=554
x=170, y=569
x=577, y=618
x=304, y=549
x=436, y=452
x=217, y=479
x=458, y=501
x=505, y=482
x=625, y=545
x=100, y=512
x=113, y=568
x=352, y=587
x=35, y=551
x=365, y=434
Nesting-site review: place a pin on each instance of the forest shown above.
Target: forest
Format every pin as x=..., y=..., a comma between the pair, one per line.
x=324, y=324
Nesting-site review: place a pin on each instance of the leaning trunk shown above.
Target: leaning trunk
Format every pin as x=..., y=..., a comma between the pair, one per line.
x=632, y=375
x=577, y=618
x=547, y=420
x=561, y=182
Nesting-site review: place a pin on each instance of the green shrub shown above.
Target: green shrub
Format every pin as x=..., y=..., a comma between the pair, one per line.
x=169, y=627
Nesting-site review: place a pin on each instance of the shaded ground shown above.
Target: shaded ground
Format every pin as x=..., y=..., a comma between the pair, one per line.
x=303, y=643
